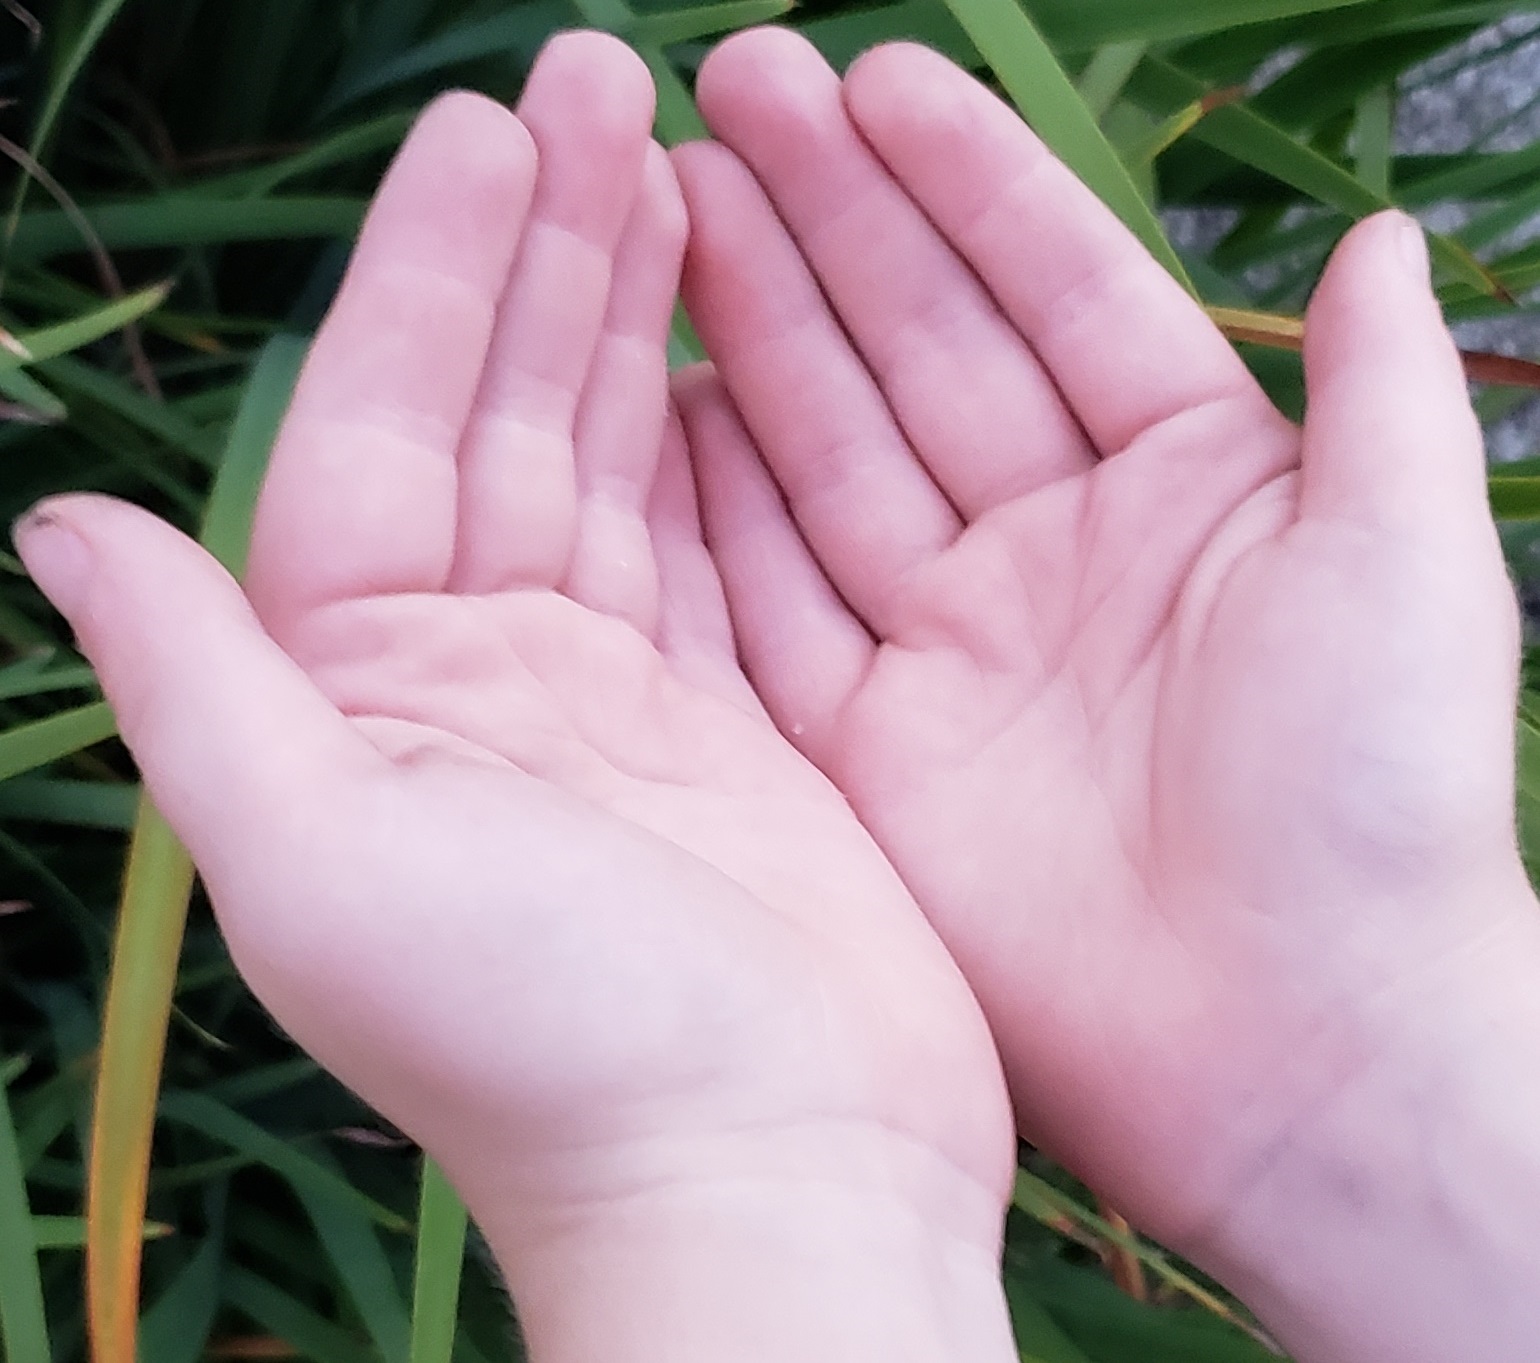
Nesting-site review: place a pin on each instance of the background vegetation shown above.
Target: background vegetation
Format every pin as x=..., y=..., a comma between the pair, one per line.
x=182, y=178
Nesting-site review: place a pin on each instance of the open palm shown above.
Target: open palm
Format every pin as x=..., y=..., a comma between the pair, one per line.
x=492, y=819
x=1185, y=727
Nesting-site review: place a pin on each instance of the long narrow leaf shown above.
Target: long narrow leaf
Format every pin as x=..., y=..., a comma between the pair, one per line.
x=187, y=220
x=47, y=740
x=1248, y=137
x=48, y=342
x=23, y=1326
x=150, y=922
x=441, y=1225
x=305, y=1175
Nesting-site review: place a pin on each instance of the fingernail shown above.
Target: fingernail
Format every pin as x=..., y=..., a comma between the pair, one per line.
x=57, y=558
x=1414, y=246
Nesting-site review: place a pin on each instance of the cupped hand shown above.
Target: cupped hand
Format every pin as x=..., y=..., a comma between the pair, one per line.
x=490, y=816
x=1190, y=730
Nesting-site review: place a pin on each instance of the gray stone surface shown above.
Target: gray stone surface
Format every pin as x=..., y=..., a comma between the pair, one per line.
x=1484, y=94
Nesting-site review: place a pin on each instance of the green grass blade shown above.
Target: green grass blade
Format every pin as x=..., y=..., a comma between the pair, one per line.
x=227, y=523
x=441, y=1226
x=77, y=804
x=703, y=21
x=23, y=1324
x=33, y=745
x=176, y=1328
x=159, y=420
x=1373, y=125
x=34, y=677
x=1252, y=140
x=69, y=1232
x=312, y=1335
x=1038, y=1338
x=518, y=32
x=1082, y=25
x=1028, y=71
x=151, y=917
x=68, y=70
x=21, y=387
x=350, y=1241
x=308, y=1177
x=1514, y=496
x=1105, y=75
x=677, y=120
x=187, y=220
x=49, y=342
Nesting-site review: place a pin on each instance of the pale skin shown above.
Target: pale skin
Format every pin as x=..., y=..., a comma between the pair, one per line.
x=583, y=834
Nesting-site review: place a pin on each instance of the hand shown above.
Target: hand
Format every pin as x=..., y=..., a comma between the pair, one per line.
x=1191, y=731
x=491, y=818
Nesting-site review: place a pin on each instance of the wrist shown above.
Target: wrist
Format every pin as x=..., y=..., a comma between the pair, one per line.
x=846, y=1247
x=1397, y=1220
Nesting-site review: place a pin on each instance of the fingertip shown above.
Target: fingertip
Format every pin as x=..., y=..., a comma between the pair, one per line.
x=1390, y=434
x=902, y=84
x=474, y=142
x=56, y=555
x=762, y=69
x=664, y=197
x=596, y=72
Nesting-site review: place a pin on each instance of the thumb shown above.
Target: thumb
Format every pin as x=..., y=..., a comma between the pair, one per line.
x=1390, y=438
x=230, y=734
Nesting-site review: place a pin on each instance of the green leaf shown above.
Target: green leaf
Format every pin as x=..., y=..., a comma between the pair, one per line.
x=516, y=32
x=1514, y=496
x=47, y=740
x=23, y=1325
x=1105, y=75
x=22, y=680
x=151, y=917
x=304, y=1174
x=48, y=342
x=1373, y=125
x=176, y=1328
x=21, y=387
x=441, y=1225
x=702, y=21
x=1252, y=140
x=159, y=420
x=80, y=804
x=1028, y=71
x=227, y=522
x=312, y=1335
x=187, y=220
x=1038, y=1337
x=351, y=1243
x=1081, y=25
x=69, y=1232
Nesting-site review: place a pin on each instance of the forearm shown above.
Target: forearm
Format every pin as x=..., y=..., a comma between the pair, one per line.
x=750, y=1266
x=1403, y=1223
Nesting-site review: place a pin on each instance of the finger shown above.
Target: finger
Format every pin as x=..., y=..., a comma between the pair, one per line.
x=1127, y=346
x=694, y=630
x=588, y=105
x=233, y=740
x=868, y=508
x=1390, y=437
x=621, y=414
x=360, y=492
x=925, y=326
x=802, y=648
